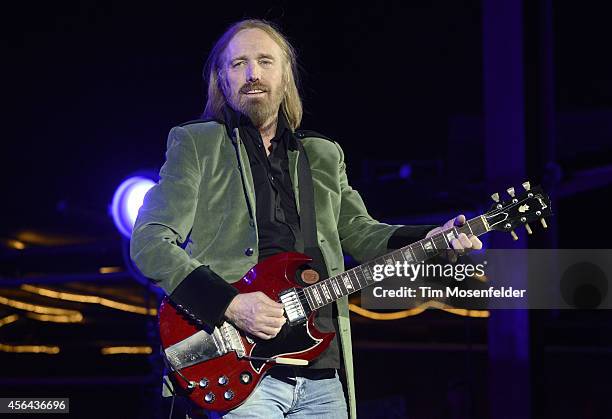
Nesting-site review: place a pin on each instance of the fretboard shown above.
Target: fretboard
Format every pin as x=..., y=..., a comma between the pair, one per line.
x=355, y=279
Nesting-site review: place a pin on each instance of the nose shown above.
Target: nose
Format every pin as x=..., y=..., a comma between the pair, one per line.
x=252, y=73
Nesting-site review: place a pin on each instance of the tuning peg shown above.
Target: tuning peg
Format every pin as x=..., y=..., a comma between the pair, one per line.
x=543, y=221
x=528, y=228
x=510, y=191
x=527, y=185
x=495, y=197
x=513, y=234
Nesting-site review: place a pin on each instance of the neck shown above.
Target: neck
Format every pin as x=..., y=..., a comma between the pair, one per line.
x=268, y=129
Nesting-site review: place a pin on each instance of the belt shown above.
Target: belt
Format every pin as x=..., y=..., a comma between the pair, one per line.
x=289, y=374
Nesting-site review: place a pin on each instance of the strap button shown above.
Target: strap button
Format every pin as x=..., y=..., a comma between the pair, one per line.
x=248, y=251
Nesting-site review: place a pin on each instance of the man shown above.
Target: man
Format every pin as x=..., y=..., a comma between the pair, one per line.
x=228, y=198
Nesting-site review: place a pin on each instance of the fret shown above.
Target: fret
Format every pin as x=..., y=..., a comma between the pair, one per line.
x=370, y=268
x=418, y=251
x=407, y=253
x=431, y=240
x=428, y=247
x=467, y=223
x=456, y=232
x=379, y=261
x=475, y=226
x=443, y=234
x=440, y=241
x=347, y=283
x=389, y=260
x=464, y=229
x=340, y=283
x=356, y=278
x=479, y=226
x=450, y=234
x=325, y=290
x=309, y=298
x=317, y=296
x=399, y=257
x=365, y=271
x=335, y=288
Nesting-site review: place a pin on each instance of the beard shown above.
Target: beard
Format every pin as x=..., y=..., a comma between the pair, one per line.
x=259, y=109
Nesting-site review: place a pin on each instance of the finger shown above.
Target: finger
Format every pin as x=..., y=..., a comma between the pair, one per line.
x=272, y=311
x=267, y=311
x=476, y=243
x=261, y=335
x=449, y=224
x=465, y=242
x=456, y=243
x=452, y=255
x=272, y=321
x=268, y=301
x=459, y=220
x=269, y=331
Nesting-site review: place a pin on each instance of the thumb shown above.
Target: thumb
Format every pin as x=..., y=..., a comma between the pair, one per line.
x=459, y=220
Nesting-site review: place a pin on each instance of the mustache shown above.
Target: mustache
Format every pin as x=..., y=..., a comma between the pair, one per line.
x=253, y=86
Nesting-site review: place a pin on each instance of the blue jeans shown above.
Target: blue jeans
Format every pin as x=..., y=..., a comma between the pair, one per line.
x=301, y=398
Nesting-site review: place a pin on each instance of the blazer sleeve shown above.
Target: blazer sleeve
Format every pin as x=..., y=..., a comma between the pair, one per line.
x=362, y=236
x=162, y=226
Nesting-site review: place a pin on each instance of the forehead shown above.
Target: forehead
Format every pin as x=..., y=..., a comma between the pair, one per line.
x=252, y=43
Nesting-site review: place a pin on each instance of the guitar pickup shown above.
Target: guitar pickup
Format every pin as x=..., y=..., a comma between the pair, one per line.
x=294, y=309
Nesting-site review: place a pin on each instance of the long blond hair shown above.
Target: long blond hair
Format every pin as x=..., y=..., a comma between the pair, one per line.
x=291, y=104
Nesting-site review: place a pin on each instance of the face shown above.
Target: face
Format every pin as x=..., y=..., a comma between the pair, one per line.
x=252, y=75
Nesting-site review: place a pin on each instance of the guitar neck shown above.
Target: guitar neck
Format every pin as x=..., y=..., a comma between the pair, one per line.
x=355, y=279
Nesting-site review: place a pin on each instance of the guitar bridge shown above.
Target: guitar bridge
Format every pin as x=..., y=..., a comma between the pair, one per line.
x=203, y=346
x=294, y=309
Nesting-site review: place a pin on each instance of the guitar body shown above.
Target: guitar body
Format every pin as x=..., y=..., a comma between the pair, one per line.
x=217, y=369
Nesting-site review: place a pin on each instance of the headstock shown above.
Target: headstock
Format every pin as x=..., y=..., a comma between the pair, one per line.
x=521, y=209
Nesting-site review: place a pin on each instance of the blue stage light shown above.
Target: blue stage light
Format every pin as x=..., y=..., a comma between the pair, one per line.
x=127, y=201
x=405, y=171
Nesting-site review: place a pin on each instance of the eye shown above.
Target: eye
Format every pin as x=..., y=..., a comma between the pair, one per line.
x=237, y=64
x=266, y=62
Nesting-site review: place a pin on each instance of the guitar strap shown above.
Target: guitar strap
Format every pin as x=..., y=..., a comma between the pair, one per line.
x=308, y=216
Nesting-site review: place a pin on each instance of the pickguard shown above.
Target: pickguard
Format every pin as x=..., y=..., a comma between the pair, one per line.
x=290, y=340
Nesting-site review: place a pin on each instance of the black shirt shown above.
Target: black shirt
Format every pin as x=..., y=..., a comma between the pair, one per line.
x=278, y=222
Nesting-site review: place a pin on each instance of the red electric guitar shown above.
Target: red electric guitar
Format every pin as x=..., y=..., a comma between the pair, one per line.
x=220, y=368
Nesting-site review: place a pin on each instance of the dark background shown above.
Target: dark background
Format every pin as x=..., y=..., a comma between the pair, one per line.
x=91, y=89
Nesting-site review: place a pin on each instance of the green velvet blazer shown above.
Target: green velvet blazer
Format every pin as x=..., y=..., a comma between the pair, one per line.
x=201, y=191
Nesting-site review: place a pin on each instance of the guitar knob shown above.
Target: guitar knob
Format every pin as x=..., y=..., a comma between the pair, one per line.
x=529, y=231
x=210, y=397
x=513, y=234
x=245, y=378
x=223, y=380
x=495, y=197
x=510, y=191
x=527, y=185
x=204, y=383
x=543, y=221
x=228, y=395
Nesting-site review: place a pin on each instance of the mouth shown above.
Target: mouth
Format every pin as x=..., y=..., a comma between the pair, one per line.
x=254, y=92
